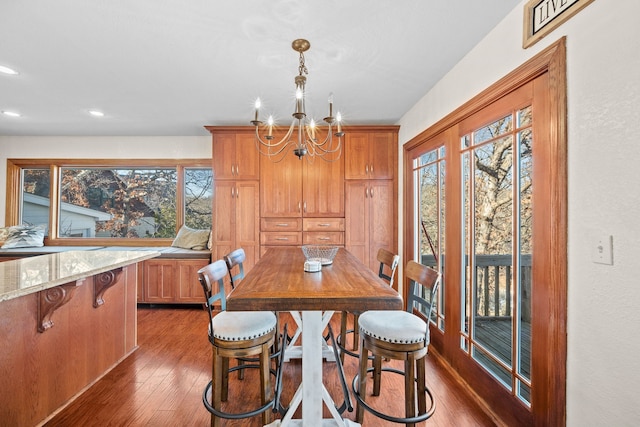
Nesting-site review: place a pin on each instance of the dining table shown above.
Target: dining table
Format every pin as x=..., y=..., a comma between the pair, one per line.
x=279, y=282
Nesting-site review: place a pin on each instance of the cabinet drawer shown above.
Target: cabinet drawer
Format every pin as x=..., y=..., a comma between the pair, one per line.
x=323, y=238
x=281, y=224
x=286, y=238
x=323, y=224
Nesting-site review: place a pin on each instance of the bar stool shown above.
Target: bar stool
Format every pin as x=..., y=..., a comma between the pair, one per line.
x=401, y=335
x=236, y=334
x=387, y=271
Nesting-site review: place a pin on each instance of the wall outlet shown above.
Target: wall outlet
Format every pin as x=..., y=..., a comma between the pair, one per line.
x=603, y=250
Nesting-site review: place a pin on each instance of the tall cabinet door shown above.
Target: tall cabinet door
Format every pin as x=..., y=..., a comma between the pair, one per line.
x=381, y=218
x=357, y=219
x=281, y=187
x=224, y=218
x=323, y=189
x=247, y=217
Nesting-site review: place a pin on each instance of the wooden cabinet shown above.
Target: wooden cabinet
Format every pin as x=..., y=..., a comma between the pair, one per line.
x=370, y=154
x=171, y=281
x=351, y=202
x=236, y=220
x=370, y=219
x=235, y=156
x=299, y=188
x=294, y=192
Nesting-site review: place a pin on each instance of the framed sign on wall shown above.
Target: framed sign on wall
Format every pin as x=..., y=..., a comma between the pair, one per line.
x=543, y=16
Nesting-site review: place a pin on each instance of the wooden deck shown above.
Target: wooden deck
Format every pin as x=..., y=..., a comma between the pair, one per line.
x=161, y=383
x=495, y=335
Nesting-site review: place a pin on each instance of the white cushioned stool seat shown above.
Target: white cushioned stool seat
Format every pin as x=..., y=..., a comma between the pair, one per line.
x=243, y=325
x=393, y=326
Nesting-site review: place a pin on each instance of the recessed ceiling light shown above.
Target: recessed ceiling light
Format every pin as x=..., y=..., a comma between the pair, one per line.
x=11, y=113
x=96, y=113
x=7, y=70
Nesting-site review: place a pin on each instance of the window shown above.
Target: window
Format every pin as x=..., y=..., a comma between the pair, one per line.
x=498, y=218
x=113, y=201
x=429, y=182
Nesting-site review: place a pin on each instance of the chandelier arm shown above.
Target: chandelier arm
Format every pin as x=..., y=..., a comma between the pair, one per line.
x=284, y=140
x=280, y=146
x=328, y=142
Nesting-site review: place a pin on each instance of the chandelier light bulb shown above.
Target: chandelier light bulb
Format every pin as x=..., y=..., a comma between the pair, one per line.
x=257, y=105
x=7, y=70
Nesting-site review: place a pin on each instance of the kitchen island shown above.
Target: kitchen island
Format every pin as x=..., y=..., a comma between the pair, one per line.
x=66, y=319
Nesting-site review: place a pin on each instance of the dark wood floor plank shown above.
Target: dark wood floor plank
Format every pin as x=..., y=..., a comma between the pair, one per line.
x=161, y=383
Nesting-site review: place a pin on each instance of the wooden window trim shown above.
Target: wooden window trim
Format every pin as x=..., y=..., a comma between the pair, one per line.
x=15, y=166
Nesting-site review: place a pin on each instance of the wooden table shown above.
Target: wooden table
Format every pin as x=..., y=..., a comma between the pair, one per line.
x=278, y=282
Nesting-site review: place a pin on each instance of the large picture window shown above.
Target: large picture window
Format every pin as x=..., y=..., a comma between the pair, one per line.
x=85, y=200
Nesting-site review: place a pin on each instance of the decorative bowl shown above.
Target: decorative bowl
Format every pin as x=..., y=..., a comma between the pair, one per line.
x=324, y=254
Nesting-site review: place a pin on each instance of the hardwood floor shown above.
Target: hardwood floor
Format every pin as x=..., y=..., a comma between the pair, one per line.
x=161, y=383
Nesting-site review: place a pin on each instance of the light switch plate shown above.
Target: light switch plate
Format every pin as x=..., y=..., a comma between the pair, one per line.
x=603, y=250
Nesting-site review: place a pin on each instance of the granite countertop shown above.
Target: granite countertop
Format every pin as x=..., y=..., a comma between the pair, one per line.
x=28, y=275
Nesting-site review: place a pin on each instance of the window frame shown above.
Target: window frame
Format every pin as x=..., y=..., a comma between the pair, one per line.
x=14, y=192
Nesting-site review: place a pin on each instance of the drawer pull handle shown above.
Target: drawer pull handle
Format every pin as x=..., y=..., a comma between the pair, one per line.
x=324, y=238
x=282, y=238
x=282, y=224
x=324, y=225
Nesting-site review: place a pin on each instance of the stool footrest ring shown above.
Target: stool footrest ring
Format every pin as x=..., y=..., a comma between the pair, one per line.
x=232, y=416
x=345, y=350
x=407, y=420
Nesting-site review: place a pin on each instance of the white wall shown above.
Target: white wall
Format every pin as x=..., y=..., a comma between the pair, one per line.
x=603, y=45
x=92, y=147
x=603, y=61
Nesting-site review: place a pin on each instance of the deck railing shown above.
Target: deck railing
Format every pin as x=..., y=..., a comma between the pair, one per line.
x=494, y=284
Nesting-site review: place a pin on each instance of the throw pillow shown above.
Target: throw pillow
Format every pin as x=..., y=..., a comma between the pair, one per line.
x=25, y=236
x=188, y=238
x=4, y=232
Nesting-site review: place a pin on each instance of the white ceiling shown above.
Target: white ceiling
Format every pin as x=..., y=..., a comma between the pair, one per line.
x=170, y=67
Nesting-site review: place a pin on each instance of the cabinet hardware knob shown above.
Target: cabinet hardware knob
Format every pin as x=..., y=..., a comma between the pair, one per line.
x=282, y=238
x=282, y=224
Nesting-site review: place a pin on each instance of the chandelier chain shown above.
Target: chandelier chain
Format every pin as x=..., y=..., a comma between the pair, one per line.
x=302, y=68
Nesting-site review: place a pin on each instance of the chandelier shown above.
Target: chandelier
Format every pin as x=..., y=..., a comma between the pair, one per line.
x=303, y=136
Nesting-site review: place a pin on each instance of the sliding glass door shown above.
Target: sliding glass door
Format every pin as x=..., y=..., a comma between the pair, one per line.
x=485, y=204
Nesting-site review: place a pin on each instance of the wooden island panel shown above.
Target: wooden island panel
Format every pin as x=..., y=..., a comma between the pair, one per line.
x=41, y=372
